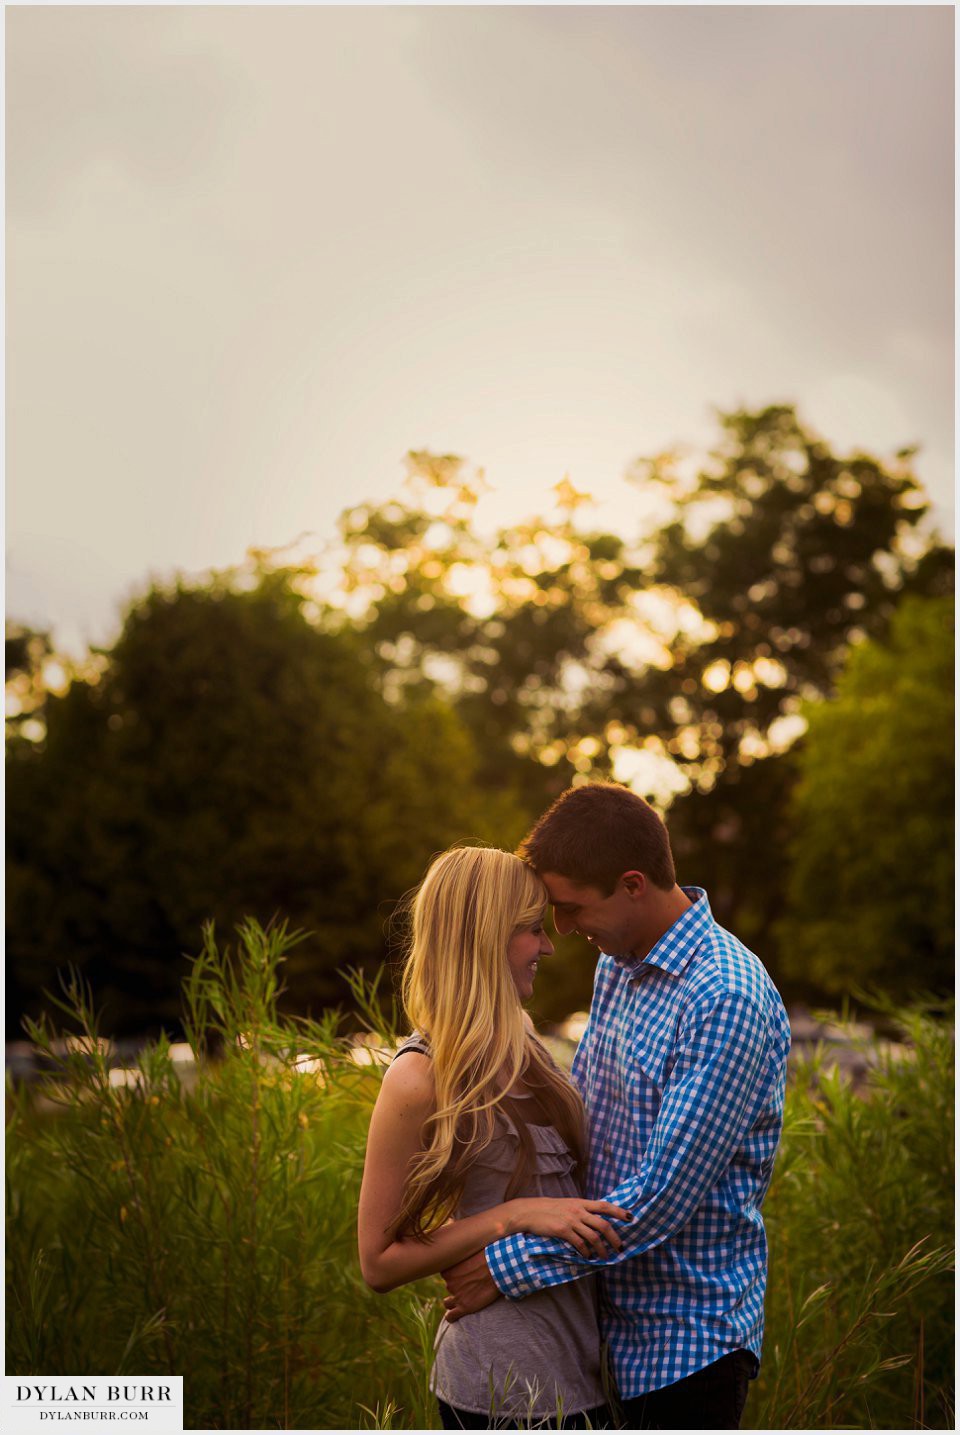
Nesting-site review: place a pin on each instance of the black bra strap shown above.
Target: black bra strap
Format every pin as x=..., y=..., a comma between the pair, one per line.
x=412, y=1043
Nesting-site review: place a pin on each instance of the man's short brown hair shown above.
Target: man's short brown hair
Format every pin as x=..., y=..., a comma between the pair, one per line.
x=595, y=833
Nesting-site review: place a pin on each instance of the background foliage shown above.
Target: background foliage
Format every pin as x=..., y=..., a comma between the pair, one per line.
x=205, y=1226
x=232, y=758
x=302, y=736
x=859, y=1315
x=872, y=834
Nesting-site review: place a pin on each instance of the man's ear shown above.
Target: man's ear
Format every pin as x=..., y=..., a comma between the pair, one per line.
x=633, y=883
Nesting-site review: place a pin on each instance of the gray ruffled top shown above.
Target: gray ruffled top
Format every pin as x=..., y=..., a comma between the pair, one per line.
x=524, y=1360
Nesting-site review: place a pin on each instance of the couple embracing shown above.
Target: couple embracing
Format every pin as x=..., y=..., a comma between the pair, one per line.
x=618, y=1211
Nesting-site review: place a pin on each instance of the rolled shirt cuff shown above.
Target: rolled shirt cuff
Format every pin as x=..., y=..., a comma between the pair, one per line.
x=507, y=1264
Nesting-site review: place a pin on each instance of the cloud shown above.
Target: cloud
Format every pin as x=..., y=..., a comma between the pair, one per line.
x=255, y=254
x=135, y=90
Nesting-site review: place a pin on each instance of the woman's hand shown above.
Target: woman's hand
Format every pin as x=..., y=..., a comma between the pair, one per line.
x=570, y=1218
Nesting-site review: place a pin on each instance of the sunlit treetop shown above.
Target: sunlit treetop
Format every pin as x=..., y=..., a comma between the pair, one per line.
x=744, y=580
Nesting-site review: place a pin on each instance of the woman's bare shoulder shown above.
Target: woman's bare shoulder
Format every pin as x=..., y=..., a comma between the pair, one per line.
x=408, y=1082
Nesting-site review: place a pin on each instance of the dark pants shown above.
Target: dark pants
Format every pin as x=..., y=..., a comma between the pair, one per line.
x=710, y=1399
x=453, y=1419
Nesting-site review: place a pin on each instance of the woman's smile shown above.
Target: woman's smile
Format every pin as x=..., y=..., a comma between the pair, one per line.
x=526, y=947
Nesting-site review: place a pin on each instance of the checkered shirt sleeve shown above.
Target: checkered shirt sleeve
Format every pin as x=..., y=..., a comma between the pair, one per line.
x=712, y=1096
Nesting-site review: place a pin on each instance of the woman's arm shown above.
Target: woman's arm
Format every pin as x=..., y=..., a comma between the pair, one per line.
x=407, y=1098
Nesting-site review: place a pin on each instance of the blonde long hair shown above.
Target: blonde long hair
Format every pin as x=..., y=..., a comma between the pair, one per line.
x=459, y=992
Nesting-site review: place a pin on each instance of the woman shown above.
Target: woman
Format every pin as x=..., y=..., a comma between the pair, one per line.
x=475, y=1121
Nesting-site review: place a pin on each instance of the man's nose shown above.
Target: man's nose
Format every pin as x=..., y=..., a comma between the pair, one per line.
x=563, y=923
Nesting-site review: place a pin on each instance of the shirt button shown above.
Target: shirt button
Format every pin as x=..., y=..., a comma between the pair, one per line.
x=608, y=1150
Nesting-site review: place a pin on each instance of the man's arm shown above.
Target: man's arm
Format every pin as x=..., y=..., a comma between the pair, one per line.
x=709, y=1103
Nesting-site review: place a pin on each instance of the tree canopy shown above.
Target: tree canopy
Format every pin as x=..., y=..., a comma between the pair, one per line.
x=231, y=760
x=676, y=655
x=872, y=872
x=300, y=737
x=688, y=639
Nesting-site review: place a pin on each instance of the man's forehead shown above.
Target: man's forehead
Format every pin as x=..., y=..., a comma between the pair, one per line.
x=564, y=889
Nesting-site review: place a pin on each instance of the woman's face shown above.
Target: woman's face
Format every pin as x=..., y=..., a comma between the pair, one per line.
x=524, y=950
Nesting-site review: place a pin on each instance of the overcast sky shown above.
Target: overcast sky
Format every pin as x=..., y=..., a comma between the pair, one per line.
x=254, y=255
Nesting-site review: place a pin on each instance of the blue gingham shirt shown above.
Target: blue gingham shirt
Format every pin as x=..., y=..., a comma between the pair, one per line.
x=682, y=1067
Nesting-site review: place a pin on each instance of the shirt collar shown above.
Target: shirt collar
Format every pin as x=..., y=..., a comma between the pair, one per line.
x=676, y=947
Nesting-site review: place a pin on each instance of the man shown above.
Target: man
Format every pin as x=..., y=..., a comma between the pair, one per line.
x=682, y=1067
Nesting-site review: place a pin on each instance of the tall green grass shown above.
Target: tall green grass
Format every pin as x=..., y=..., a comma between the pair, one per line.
x=860, y=1221
x=206, y=1227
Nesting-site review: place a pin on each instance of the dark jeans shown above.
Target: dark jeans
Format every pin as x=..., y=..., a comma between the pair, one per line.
x=710, y=1399
x=453, y=1419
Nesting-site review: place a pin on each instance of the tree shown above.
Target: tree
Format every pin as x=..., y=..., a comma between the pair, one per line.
x=27, y=653
x=682, y=651
x=233, y=759
x=688, y=640
x=791, y=552
x=871, y=884
x=732, y=840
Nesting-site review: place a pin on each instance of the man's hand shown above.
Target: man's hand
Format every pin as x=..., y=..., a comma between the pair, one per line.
x=470, y=1286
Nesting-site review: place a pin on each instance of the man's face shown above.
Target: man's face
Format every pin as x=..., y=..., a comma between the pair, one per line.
x=611, y=923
